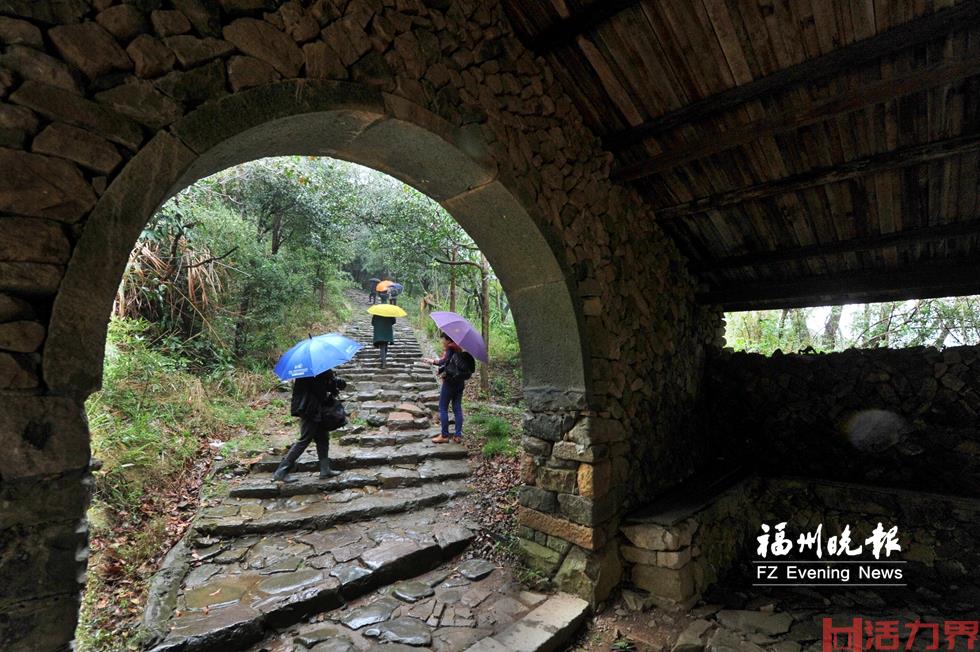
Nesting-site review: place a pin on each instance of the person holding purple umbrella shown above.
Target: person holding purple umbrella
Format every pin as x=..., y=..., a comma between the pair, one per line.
x=455, y=368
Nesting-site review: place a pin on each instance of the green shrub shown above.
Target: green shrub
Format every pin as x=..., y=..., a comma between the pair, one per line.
x=495, y=428
x=499, y=446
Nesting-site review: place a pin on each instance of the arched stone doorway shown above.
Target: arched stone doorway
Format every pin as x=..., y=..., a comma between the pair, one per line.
x=359, y=124
x=111, y=108
x=341, y=120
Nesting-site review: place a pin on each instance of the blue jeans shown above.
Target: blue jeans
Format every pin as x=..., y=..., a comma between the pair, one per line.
x=451, y=393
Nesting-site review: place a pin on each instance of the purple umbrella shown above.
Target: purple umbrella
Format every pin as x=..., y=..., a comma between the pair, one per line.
x=462, y=332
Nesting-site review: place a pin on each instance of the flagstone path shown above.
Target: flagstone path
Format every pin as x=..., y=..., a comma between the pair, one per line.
x=368, y=559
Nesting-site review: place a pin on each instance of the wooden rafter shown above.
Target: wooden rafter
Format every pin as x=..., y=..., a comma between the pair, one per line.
x=902, y=37
x=565, y=30
x=854, y=100
x=869, y=243
x=892, y=160
x=953, y=278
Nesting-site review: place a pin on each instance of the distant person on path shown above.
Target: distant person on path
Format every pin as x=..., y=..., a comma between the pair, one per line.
x=384, y=334
x=455, y=368
x=373, y=294
x=317, y=404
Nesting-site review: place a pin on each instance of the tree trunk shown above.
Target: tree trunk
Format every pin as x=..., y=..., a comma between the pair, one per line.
x=320, y=285
x=779, y=329
x=452, y=281
x=485, y=319
x=276, y=235
x=830, y=328
x=241, y=334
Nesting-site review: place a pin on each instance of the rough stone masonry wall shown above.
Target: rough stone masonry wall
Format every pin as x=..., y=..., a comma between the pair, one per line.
x=87, y=85
x=898, y=417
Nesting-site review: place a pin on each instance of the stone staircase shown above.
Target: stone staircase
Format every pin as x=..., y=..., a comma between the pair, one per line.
x=366, y=559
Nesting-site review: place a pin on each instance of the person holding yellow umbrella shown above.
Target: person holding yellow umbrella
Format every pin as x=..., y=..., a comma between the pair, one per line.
x=383, y=321
x=382, y=289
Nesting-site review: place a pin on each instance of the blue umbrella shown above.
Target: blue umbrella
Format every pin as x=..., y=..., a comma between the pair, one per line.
x=314, y=355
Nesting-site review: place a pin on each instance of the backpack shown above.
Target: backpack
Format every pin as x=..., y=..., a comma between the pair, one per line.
x=460, y=367
x=316, y=399
x=333, y=415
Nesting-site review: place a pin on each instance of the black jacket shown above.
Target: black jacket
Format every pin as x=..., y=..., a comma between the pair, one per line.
x=311, y=396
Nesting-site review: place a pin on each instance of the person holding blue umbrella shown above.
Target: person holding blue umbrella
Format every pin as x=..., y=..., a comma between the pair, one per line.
x=315, y=399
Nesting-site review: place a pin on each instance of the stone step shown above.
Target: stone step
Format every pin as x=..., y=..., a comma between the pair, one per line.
x=240, y=516
x=377, y=438
x=548, y=628
x=241, y=588
x=441, y=610
x=261, y=485
x=355, y=457
x=389, y=375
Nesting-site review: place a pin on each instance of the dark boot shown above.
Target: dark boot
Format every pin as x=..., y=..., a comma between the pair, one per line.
x=322, y=453
x=282, y=471
x=384, y=354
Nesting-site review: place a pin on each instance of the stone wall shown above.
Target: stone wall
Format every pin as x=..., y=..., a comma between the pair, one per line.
x=896, y=417
x=108, y=107
x=677, y=554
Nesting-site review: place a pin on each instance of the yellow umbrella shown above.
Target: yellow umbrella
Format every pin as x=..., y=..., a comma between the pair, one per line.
x=387, y=310
x=383, y=286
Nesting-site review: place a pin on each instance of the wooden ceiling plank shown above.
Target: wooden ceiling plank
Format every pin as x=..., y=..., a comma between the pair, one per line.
x=904, y=36
x=717, y=17
x=825, y=23
x=802, y=13
x=956, y=278
x=790, y=120
x=565, y=31
x=700, y=52
x=896, y=159
x=785, y=34
x=646, y=58
x=862, y=18
x=885, y=196
x=610, y=81
x=938, y=233
x=758, y=35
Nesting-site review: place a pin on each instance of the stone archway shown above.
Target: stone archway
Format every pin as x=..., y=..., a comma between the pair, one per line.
x=351, y=122
x=372, y=128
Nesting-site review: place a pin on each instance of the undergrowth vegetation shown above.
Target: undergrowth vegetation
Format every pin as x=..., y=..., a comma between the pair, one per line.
x=494, y=428
x=155, y=428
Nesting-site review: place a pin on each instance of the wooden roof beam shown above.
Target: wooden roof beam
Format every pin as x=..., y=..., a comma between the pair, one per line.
x=860, y=98
x=902, y=37
x=565, y=30
x=870, y=243
x=895, y=159
x=955, y=278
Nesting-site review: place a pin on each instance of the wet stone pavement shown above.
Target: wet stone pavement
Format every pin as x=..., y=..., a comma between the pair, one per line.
x=370, y=558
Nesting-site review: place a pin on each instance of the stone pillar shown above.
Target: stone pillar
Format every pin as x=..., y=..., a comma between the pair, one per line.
x=569, y=502
x=45, y=487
